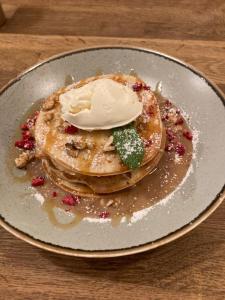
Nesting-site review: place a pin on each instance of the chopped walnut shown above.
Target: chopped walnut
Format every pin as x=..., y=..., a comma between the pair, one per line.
x=48, y=117
x=90, y=144
x=49, y=103
x=79, y=143
x=61, y=125
x=109, y=159
x=108, y=145
x=109, y=203
x=23, y=159
x=71, y=151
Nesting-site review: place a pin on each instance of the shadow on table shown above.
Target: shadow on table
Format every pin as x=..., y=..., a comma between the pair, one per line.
x=148, y=267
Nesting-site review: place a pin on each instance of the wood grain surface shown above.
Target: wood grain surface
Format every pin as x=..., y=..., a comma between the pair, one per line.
x=192, y=267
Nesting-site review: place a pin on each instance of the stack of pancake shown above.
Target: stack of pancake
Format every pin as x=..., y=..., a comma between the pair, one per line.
x=86, y=162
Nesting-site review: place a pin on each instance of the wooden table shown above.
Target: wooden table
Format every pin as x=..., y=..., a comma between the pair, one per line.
x=192, y=267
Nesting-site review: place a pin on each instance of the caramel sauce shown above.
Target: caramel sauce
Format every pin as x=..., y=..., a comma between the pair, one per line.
x=49, y=205
x=99, y=72
x=49, y=141
x=150, y=190
x=133, y=73
x=153, y=188
x=69, y=80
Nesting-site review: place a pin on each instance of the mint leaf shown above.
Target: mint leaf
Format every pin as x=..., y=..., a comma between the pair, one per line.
x=129, y=145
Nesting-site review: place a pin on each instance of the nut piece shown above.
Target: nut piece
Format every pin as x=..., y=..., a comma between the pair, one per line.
x=109, y=203
x=108, y=145
x=61, y=125
x=23, y=159
x=49, y=103
x=70, y=150
x=48, y=117
x=79, y=143
x=90, y=144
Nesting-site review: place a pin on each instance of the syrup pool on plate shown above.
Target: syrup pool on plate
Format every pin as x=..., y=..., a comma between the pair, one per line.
x=162, y=181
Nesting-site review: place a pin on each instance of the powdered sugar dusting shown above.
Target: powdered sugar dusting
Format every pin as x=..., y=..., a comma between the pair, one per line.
x=39, y=198
x=137, y=216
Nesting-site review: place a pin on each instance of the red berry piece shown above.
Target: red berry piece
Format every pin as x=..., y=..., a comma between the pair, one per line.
x=188, y=135
x=25, y=144
x=24, y=127
x=148, y=143
x=104, y=214
x=168, y=103
x=32, y=120
x=38, y=181
x=170, y=135
x=70, y=129
x=165, y=117
x=179, y=121
x=54, y=194
x=180, y=149
x=137, y=87
x=146, y=87
x=19, y=144
x=71, y=200
x=27, y=135
x=28, y=145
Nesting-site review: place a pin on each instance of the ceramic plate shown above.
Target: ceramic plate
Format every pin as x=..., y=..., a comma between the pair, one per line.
x=198, y=195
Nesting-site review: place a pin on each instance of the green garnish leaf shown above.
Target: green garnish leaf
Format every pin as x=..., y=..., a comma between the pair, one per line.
x=129, y=145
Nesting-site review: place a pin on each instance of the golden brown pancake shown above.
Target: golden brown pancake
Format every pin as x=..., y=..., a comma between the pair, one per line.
x=88, y=185
x=94, y=160
x=83, y=184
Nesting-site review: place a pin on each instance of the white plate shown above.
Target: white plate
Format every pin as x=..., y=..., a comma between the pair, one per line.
x=195, y=199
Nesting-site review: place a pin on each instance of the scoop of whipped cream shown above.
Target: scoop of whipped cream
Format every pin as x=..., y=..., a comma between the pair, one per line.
x=99, y=105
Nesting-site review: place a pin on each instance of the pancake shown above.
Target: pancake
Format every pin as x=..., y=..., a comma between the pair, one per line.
x=85, y=185
x=89, y=185
x=93, y=160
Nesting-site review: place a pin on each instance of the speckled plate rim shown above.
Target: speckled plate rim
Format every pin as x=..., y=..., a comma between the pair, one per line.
x=136, y=249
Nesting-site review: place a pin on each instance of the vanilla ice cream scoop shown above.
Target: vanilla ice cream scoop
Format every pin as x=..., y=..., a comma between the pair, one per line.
x=100, y=104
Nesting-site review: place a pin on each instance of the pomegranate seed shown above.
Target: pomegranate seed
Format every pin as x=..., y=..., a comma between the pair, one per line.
x=30, y=123
x=170, y=135
x=104, y=214
x=168, y=103
x=25, y=144
x=169, y=147
x=71, y=200
x=148, y=142
x=179, y=121
x=54, y=194
x=24, y=126
x=19, y=144
x=188, y=135
x=38, y=181
x=137, y=86
x=28, y=145
x=146, y=87
x=70, y=129
x=165, y=117
x=32, y=120
x=180, y=149
x=27, y=135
